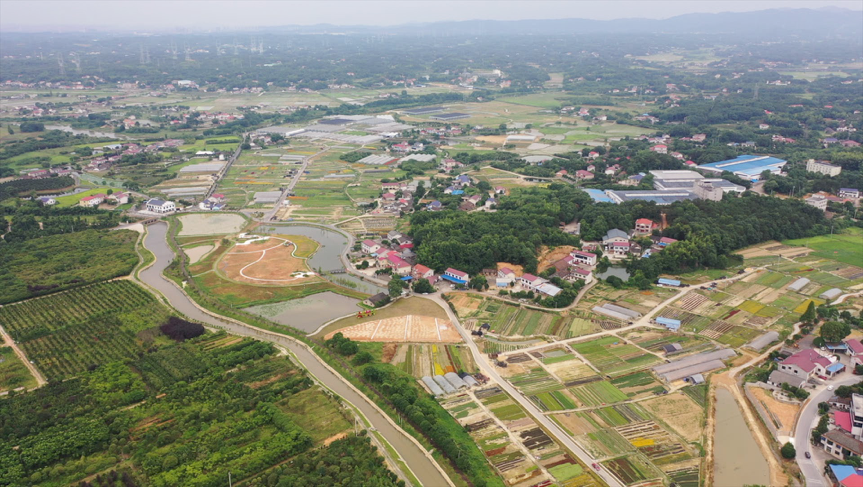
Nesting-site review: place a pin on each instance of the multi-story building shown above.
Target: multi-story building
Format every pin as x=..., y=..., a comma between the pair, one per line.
x=822, y=167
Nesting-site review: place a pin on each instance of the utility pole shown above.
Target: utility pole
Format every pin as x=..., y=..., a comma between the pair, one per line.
x=61, y=63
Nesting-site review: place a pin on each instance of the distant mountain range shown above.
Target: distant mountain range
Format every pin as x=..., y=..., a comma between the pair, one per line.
x=826, y=22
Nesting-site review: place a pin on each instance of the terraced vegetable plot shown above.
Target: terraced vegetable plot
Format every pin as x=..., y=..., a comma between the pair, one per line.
x=621, y=414
x=697, y=393
x=534, y=382
x=66, y=333
x=614, y=359
x=658, y=445
x=598, y=393
x=552, y=401
x=631, y=469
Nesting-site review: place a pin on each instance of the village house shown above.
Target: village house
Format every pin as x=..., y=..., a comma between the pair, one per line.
x=530, y=282
x=621, y=248
x=612, y=170
x=582, y=174
x=397, y=264
x=585, y=258
x=388, y=197
x=581, y=274
x=841, y=444
x=467, y=206
x=370, y=246
x=92, y=201
x=614, y=236
x=644, y=226
x=377, y=300
x=660, y=149
x=505, y=277
x=456, y=276
x=805, y=363
x=499, y=190
x=160, y=206
x=422, y=272
x=119, y=198
x=855, y=351
x=849, y=193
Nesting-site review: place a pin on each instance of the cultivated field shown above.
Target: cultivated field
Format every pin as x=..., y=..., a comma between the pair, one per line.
x=65, y=333
x=409, y=328
x=211, y=224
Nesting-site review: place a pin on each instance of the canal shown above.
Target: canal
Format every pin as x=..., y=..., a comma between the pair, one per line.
x=737, y=458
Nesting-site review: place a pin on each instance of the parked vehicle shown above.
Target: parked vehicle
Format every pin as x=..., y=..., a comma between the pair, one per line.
x=808, y=455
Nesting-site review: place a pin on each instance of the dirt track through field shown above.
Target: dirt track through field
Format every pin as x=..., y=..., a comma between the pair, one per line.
x=408, y=329
x=264, y=262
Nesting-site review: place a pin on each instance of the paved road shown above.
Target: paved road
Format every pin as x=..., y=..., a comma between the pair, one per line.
x=290, y=186
x=418, y=460
x=556, y=432
x=807, y=420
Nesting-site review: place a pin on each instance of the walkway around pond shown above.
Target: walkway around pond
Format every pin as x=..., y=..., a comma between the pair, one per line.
x=417, y=459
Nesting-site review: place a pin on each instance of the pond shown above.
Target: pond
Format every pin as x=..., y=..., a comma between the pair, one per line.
x=615, y=271
x=328, y=255
x=308, y=313
x=737, y=458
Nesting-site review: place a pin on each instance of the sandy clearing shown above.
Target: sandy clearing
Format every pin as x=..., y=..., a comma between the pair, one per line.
x=786, y=413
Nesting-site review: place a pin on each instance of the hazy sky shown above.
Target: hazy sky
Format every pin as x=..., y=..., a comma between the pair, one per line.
x=205, y=14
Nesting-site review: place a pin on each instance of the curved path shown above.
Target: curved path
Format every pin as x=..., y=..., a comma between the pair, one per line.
x=417, y=458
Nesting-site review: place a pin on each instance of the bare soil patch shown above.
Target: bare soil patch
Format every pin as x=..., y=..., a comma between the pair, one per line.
x=679, y=412
x=547, y=257
x=785, y=412
x=406, y=329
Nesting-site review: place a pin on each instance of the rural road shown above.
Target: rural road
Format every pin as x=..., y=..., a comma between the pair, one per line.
x=807, y=420
x=418, y=460
x=556, y=432
x=7, y=339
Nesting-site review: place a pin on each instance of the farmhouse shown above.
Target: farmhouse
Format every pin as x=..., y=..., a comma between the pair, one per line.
x=585, y=258
x=581, y=274
x=377, y=300
x=817, y=201
x=47, y=201
x=841, y=444
x=621, y=248
x=805, y=363
x=119, y=198
x=614, y=236
x=455, y=276
x=855, y=350
x=505, y=277
x=529, y=281
x=160, y=206
x=644, y=226
x=397, y=264
x=849, y=193
x=91, y=201
x=777, y=378
x=370, y=246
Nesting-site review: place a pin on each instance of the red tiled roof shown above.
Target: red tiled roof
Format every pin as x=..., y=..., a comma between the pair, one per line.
x=456, y=272
x=842, y=420
x=805, y=360
x=421, y=269
x=506, y=270
x=854, y=345
x=529, y=277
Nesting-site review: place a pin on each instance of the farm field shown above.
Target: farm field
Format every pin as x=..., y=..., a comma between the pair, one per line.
x=270, y=260
x=13, y=373
x=505, y=319
x=210, y=224
x=407, y=328
x=429, y=359
x=613, y=358
x=402, y=307
x=680, y=412
x=294, y=419
x=65, y=333
x=844, y=247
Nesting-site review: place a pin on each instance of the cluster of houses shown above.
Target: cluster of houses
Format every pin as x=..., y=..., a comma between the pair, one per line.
x=45, y=173
x=822, y=198
x=397, y=197
x=110, y=154
x=95, y=200
x=469, y=202
x=216, y=202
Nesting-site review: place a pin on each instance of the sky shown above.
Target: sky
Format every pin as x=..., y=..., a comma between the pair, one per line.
x=161, y=15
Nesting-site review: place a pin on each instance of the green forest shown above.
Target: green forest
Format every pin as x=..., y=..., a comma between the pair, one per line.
x=45, y=265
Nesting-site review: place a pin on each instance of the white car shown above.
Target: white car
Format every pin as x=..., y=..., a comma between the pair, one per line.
x=829, y=388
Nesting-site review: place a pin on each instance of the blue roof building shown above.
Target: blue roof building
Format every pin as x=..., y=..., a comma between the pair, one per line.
x=669, y=323
x=669, y=282
x=598, y=195
x=747, y=166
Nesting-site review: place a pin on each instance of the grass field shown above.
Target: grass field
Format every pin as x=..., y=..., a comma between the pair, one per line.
x=598, y=394
x=73, y=199
x=846, y=247
x=13, y=373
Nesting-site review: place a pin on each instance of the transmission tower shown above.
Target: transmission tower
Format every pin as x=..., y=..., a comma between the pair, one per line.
x=188, y=54
x=174, y=50
x=62, y=64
